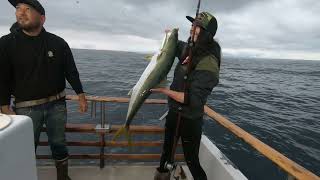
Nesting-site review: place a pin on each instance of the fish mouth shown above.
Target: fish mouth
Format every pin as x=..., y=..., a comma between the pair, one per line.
x=175, y=31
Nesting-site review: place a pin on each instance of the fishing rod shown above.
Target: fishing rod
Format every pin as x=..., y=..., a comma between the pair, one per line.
x=170, y=165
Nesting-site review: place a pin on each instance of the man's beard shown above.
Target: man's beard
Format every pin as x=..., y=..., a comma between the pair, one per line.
x=30, y=27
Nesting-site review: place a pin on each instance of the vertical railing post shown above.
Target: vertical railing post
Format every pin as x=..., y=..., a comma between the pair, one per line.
x=93, y=109
x=102, y=137
x=102, y=129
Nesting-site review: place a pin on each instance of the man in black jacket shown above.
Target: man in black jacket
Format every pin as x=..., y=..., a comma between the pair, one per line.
x=33, y=67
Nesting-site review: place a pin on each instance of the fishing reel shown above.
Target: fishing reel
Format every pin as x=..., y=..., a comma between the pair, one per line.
x=172, y=167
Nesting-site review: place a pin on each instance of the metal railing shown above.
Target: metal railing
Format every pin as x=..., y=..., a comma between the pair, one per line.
x=103, y=129
x=294, y=170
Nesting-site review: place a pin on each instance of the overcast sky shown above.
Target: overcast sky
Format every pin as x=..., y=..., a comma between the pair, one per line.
x=247, y=28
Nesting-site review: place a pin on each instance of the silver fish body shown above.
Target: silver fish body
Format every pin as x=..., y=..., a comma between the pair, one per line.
x=155, y=72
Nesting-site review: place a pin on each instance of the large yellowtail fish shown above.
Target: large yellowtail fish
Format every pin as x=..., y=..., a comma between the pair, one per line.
x=156, y=71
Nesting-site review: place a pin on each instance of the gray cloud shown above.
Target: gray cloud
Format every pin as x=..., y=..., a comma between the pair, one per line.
x=250, y=27
x=274, y=26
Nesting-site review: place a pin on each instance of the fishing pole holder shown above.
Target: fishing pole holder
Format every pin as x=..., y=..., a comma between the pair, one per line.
x=103, y=127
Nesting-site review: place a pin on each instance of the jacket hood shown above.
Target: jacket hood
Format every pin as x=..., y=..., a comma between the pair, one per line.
x=15, y=28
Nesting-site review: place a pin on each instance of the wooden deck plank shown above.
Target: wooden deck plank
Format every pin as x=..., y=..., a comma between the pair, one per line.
x=121, y=172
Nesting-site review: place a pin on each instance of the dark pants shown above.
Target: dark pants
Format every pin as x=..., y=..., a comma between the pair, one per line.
x=190, y=133
x=54, y=116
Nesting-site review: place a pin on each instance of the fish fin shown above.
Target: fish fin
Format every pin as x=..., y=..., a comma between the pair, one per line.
x=164, y=116
x=124, y=131
x=162, y=119
x=160, y=54
x=128, y=138
x=130, y=92
x=121, y=131
x=148, y=57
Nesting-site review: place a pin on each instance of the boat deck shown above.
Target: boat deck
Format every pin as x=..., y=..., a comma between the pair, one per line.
x=119, y=172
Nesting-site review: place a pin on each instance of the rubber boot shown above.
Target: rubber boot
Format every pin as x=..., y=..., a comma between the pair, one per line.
x=161, y=175
x=62, y=169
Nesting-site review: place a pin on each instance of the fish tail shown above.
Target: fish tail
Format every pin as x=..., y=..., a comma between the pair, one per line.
x=128, y=138
x=123, y=131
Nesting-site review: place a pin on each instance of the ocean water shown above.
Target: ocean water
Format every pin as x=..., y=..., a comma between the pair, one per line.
x=277, y=101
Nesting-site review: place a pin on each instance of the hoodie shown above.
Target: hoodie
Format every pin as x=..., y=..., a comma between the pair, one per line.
x=35, y=67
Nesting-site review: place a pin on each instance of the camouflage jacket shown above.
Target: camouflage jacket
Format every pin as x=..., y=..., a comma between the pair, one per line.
x=202, y=79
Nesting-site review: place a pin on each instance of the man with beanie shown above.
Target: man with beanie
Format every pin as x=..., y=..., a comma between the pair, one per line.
x=193, y=81
x=34, y=65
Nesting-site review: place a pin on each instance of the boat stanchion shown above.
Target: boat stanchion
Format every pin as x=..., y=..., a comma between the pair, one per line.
x=93, y=109
x=102, y=129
